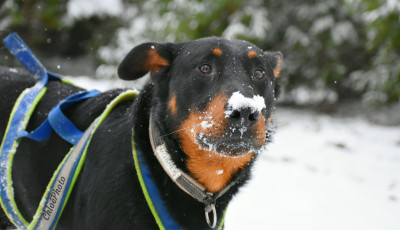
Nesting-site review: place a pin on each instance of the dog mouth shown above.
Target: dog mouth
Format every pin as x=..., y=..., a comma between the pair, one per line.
x=231, y=142
x=229, y=147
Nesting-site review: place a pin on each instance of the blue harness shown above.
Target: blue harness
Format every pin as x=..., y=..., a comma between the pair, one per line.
x=61, y=184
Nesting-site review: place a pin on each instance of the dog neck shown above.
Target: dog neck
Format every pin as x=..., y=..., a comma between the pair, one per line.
x=184, y=181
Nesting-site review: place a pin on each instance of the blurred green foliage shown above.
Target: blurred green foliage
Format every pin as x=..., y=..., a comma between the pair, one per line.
x=38, y=21
x=340, y=49
x=45, y=25
x=383, y=45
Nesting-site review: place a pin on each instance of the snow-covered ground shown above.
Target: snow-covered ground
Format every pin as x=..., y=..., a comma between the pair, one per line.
x=323, y=173
x=320, y=173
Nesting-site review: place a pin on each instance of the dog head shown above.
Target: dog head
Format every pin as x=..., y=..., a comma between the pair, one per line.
x=216, y=97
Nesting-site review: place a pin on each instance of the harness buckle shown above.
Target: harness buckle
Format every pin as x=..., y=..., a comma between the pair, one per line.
x=211, y=208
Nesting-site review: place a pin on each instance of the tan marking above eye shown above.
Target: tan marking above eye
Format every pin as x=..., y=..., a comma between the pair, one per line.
x=217, y=51
x=252, y=54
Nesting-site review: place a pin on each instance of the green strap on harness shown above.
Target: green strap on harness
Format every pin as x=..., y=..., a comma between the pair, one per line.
x=7, y=177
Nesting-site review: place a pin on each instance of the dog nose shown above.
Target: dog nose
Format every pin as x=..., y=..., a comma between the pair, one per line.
x=244, y=117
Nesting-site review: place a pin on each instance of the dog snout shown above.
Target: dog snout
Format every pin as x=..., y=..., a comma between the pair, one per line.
x=244, y=117
x=242, y=111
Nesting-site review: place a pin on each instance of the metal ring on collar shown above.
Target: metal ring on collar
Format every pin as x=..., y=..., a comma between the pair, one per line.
x=208, y=209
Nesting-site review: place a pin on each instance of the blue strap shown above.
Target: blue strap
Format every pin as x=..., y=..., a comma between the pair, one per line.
x=24, y=55
x=154, y=193
x=58, y=122
x=39, y=134
x=17, y=123
x=61, y=124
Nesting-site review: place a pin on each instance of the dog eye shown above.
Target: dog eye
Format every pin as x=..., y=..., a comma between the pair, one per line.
x=205, y=69
x=258, y=74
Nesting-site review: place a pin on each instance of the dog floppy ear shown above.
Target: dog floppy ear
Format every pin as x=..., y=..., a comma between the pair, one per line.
x=147, y=57
x=276, y=60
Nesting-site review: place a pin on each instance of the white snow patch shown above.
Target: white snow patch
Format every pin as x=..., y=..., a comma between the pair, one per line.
x=242, y=130
x=206, y=124
x=13, y=70
x=386, y=8
x=99, y=84
x=77, y=9
x=238, y=101
x=206, y=141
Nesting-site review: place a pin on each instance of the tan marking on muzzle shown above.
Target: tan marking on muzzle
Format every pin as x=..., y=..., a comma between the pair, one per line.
x=211, y=169
x=260, y=130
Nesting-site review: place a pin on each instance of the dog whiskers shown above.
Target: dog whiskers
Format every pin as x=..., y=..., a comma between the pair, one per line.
x=180, y=130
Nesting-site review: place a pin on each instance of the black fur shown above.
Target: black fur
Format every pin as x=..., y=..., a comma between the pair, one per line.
x=107, y=194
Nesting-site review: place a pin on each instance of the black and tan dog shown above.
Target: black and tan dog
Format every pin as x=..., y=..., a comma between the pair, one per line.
x=212, y=100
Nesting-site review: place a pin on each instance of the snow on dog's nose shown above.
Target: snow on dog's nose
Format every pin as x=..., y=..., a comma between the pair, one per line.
x=243, y=112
